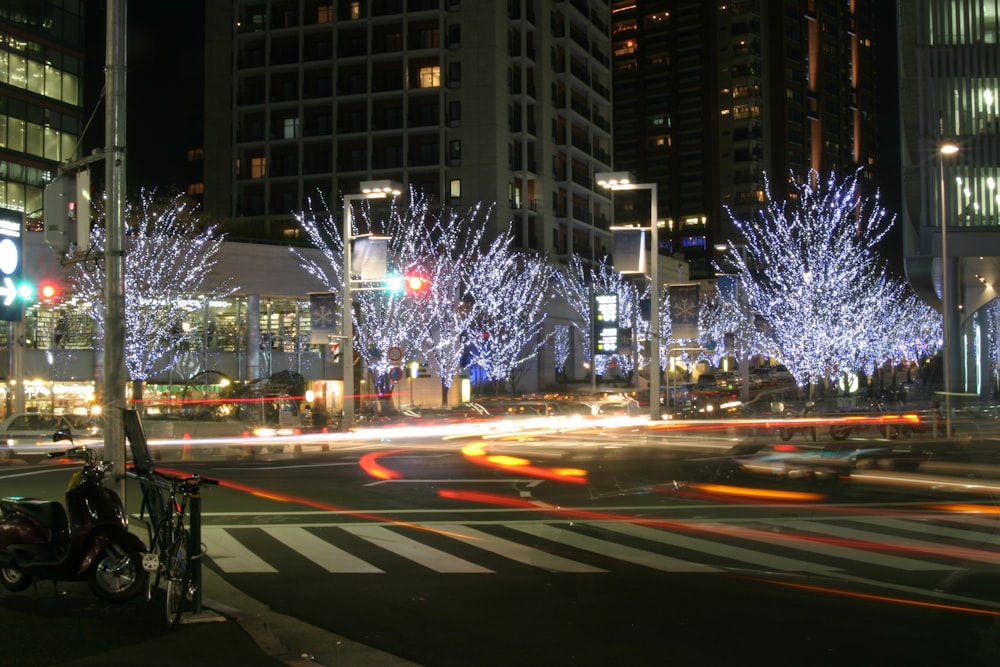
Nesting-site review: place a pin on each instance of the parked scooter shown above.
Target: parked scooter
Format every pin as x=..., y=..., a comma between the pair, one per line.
x=87, y=538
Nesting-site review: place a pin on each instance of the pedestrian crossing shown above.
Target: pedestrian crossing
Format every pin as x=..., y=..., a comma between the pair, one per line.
x=808, y=545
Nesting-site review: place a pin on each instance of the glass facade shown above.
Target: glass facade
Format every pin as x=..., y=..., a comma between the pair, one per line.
x=41, y=97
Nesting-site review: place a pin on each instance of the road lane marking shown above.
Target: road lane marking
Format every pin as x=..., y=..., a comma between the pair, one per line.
x=418, y=552
x=877, y=539
x=743, y=555
x=329, y=557
x=612, y=549
x=513, y=550
x=231, y=556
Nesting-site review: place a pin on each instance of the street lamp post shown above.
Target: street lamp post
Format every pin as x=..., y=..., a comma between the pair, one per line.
x=946, y=149
x=744, y=324
x=623, y=181
x=369, y=190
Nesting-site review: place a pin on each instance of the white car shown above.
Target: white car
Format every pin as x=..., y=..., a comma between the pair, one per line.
x=31, y=429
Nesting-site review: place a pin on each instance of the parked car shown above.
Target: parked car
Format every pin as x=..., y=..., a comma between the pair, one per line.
x=31, y=429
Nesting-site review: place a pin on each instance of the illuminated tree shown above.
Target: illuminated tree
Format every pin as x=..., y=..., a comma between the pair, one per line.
x=439, y=322
x=169, y=253
x=811, y=270
x=510, y=290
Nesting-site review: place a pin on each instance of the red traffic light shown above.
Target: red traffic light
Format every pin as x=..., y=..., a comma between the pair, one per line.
x=47, y=291
x=417, y=284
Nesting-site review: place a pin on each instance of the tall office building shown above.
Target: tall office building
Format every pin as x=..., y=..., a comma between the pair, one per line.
x=711, y=96
x=41, y=97
x=950, y=93
x=506, y=102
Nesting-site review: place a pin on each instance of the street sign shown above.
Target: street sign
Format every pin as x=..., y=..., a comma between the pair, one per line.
x=11, y=262
x=396, y=373
x=395, y=354
x=605, y=324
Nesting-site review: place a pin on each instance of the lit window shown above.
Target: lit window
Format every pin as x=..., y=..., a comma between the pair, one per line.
x=455, y=189
x=258, y=167
x=430, y=76
x=324, y=14
x=290, y=127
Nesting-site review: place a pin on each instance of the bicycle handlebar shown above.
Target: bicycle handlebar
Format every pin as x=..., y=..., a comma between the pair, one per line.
x=172, y=482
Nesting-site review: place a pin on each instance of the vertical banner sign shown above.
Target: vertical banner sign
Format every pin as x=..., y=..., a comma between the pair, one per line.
x=11, y=262
x=684, y=311
x=630, y=251
x=323, y=307
x=369, y=257
x=605, y=323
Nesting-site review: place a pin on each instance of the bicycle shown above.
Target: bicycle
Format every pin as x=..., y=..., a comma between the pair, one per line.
x=165, y=499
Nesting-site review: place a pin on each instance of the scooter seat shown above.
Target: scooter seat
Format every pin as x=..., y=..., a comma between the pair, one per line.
x=48, y=513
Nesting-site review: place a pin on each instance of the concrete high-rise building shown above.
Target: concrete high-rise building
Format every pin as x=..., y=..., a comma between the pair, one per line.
x=469, y=102
x=949, y=61
x=41, y=91
x=711, y=96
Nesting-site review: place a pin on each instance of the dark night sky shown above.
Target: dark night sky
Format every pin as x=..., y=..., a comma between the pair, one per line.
x=164, y=88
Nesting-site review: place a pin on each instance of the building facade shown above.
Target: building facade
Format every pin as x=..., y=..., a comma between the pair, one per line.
x=709, y=97
x=468, y=102
x=949, y=63
x=41, y=97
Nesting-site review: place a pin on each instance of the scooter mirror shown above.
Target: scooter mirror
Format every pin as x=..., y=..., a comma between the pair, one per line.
x=60, y=436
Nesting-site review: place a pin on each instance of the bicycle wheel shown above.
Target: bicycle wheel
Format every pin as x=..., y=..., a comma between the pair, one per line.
x=178, y=573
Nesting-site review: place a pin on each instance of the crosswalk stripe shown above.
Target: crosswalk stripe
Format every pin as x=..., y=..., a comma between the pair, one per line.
x=733, y=552
x=612, y=549
x=513, y=550
x=227, y=552
x=418, y=552
x=871, y=557
x=329, y=557
x=880, y=538
x=924, y=527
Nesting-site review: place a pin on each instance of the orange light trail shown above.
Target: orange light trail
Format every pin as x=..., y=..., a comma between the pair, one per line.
x=880, y=598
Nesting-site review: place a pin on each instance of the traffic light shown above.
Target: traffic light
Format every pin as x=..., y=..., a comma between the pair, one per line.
x=394, y=283
x=11, y=262
x=417, y=285
x=48, y=292
x=67, y=212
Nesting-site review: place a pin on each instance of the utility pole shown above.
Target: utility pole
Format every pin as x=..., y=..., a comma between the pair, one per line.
x=113, y=401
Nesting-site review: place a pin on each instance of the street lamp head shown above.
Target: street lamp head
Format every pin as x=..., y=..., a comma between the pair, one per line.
x=383, y=187
x=948, y=148
x=613, y=179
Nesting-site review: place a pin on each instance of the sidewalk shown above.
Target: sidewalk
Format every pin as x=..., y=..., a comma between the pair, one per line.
x=67, y=626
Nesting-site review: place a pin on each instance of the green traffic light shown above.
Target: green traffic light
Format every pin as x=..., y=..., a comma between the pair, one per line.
x=394, y=283
x=26, y=291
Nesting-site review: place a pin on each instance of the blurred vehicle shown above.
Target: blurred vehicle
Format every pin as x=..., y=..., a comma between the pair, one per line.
x=706, y=381
x=614, y=407
x=34, y=429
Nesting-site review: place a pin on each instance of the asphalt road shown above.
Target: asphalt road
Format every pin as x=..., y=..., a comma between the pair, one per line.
x=597, y=548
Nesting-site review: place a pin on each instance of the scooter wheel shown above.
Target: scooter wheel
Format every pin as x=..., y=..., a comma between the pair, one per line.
x=14, y=580
x=117, y=574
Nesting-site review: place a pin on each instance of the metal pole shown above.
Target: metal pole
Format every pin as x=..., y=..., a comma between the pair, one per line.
x=946, y=307
x=347, y=317
x=194, y=550
x=745, y=324
x=114, y=260
x=654, y=308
